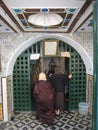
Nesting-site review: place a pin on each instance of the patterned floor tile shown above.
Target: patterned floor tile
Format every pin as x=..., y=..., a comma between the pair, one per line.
x=66, y=121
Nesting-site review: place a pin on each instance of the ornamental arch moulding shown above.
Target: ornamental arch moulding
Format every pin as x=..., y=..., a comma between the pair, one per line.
x=66, y=39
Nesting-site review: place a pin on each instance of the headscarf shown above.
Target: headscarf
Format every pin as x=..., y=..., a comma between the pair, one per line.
x=42, y=76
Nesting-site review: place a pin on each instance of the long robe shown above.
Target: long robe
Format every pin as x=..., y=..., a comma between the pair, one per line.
x=58, y=81
x=44, y=94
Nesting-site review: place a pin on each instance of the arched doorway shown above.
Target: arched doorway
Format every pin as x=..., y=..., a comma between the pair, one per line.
x=83, y=54
x=86, y=59
x=21, y=77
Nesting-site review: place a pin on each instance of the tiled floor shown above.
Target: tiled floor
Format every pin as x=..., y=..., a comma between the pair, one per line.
x=67, y=121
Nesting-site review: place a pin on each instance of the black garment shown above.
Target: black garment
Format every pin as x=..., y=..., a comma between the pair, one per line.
x=58, y=82
x=67, y=88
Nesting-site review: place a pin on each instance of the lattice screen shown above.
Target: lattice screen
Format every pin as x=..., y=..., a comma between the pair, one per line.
x=77, y=86
x=21, y=78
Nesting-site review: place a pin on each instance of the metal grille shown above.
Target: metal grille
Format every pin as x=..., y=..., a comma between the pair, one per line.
x=21, y=84
x=77, y=89
x=21, y=78
x=77, y=85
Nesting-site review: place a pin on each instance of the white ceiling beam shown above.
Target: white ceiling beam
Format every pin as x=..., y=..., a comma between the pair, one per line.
x=8, y=19
x=44, y=3
x=83, y=17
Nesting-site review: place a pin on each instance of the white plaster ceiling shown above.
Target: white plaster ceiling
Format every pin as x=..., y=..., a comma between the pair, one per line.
x=76, y=14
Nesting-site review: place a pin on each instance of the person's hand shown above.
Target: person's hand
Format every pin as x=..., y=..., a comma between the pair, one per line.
x=70, y=76
x=50, y=74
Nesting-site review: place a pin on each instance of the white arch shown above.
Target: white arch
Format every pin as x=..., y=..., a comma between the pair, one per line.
x=69, y=41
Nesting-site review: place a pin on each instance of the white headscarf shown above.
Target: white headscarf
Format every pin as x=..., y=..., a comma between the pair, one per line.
x=42, y=76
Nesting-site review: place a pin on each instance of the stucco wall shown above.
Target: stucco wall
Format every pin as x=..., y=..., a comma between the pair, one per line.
x=10, y=42
x=86, y=41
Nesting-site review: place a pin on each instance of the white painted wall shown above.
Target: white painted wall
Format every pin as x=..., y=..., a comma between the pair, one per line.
x=5, y=109
x=66, y=39
x=13, y=44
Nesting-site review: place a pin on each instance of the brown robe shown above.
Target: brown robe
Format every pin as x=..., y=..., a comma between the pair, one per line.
x=45, y=101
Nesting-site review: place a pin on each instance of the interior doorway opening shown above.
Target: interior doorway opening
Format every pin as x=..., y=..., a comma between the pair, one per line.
x=35, y=69
x=22, y=81
x=47, y=65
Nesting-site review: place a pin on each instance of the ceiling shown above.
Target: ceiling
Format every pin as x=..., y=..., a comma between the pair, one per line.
x=76, y=14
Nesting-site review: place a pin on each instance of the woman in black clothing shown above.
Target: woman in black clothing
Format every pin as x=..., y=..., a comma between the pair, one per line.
x=58, y=81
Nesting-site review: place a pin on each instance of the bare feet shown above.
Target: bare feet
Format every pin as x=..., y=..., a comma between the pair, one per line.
x=57, y=112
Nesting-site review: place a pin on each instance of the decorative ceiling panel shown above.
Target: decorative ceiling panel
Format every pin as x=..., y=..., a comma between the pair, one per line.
x=4, y=27
x=23, y=14
x=87, y=26
x=14, y=15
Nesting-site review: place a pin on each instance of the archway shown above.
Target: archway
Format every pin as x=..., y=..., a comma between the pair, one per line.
x=69, y=41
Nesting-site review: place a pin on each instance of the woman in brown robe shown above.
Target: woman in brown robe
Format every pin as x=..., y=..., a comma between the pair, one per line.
x=44, y=94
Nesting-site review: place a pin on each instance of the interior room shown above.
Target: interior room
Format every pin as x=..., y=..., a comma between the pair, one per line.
x=38, y=36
